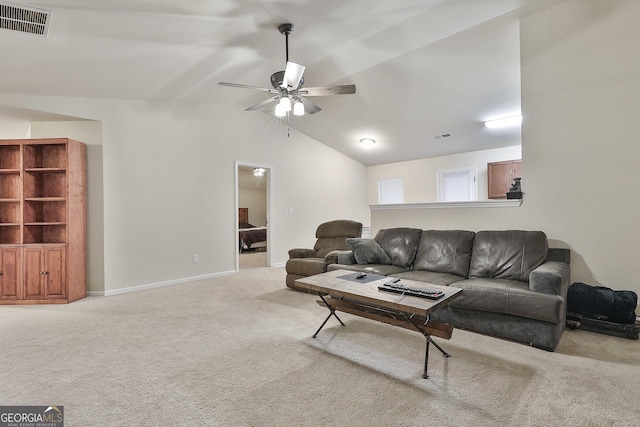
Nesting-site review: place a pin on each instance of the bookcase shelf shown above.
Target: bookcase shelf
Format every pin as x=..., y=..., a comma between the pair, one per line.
x=10, y=157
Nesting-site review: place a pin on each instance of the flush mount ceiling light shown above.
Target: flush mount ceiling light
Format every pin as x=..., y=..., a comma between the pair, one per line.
x=504, y=122
x=259, y=172
x=367, y=142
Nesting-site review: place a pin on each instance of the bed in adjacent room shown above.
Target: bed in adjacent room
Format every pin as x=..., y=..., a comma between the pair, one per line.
x=251, y=237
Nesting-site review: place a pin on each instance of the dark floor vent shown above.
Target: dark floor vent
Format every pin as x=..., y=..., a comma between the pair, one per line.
x=24, y=19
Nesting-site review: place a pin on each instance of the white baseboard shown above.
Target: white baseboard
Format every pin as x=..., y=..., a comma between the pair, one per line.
x=279, y=264
x=156, y=285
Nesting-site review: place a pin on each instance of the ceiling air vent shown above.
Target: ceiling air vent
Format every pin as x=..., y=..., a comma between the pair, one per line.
x=24, y=19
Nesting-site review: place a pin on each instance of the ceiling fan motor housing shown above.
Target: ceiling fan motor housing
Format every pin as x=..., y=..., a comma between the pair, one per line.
x=278, y=77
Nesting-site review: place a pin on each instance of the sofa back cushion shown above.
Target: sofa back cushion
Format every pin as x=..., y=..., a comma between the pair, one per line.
x=401, y=244
x=339, y=228
x=445, y=251
x=331, y=235
x=324, y=245
x=509, y=254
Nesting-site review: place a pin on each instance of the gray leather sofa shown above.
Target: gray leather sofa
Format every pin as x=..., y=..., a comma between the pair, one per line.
x=515, y=287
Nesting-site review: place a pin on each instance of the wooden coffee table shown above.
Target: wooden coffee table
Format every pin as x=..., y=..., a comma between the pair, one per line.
x=340, y=290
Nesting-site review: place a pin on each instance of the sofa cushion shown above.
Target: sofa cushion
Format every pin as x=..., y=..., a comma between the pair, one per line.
x=324, y=245
x=368, y=251
x=445, y=251
x=509, y=254
x=381, y=269
x=331, y=235
x=433, y=277
x=306, y=266
x=509, y=297
x=401, y=244
x=339, y=228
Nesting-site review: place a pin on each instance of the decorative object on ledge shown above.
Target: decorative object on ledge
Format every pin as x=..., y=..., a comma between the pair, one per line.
x=515, y=191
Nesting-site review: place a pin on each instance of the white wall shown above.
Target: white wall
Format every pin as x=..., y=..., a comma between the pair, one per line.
x=581, y=103
x=14, y=129
x=169, y=190
x=420, y=175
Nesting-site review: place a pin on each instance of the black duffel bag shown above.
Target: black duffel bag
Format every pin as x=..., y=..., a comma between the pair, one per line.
x=599, y=302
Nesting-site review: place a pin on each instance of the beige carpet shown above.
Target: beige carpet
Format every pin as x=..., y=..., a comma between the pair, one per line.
x=237, y=351
x=253, y=259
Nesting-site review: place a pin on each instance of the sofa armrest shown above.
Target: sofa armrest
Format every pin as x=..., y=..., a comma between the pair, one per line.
x=332, y=257
x=302, y=253
x=550, y=278
x=559, y=254
x=346, y=258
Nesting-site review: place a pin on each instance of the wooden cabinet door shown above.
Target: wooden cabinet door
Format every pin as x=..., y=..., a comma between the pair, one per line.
x=10, y=268
x=501, y=176
x=499, y=179
x=34, y=273
x=55, y=272
x=45, y=272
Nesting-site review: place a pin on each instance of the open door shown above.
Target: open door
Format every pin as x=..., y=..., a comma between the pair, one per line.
x=253, y=192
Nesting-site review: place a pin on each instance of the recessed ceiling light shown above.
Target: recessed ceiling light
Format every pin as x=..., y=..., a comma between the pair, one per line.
x=367, y=142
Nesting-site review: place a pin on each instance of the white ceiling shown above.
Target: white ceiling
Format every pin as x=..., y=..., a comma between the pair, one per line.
x=421, y=67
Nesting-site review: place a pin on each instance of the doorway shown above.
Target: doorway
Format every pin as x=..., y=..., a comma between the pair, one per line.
x=457, y=185
x=252, y=213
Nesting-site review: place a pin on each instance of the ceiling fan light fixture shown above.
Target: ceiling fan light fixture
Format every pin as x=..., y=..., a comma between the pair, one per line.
x=280, y=111
x=298, y=108
x=285, y=102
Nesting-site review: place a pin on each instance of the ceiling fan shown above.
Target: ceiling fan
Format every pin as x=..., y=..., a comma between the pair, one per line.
x=289, y=93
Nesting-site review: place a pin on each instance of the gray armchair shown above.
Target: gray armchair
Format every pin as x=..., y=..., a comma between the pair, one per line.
x=331, y=241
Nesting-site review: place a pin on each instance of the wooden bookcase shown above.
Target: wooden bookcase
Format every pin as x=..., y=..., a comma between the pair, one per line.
x=42, y=221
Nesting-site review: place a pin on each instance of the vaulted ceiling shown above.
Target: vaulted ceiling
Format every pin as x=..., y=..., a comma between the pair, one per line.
x=422, y=68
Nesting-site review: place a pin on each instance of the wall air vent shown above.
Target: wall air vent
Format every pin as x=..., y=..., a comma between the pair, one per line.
x=24, y=19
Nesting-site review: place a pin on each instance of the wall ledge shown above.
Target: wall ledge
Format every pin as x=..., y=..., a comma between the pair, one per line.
x=450, y=205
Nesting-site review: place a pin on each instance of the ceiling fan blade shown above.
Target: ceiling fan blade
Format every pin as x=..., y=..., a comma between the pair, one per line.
x=328, y=90
x=261, y=104
x=309, y=107
x=263, y=89
x=292, y=75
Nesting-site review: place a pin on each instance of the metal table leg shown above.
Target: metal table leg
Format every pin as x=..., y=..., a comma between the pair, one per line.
x=332, y=313
x=429, y=341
